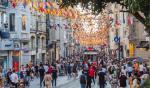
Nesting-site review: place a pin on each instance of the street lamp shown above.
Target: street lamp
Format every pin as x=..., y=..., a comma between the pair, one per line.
x=54, y=47
x=65, y=45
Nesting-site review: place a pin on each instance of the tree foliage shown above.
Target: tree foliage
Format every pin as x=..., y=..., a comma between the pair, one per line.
x=140, y=9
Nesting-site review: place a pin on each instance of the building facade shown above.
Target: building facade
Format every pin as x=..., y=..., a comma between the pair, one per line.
x=61, y=38
x=118, y=32
x=5, y=42
x=38, y=38
x=127, y=35
x=22, y=36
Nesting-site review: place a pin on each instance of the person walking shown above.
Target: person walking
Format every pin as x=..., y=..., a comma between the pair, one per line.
x=83, y=80
x=9, y=72
x=69, y=71
x=41, y=73
x=54, y=76
x=136, y=82
x=102, y=82
x=28, y=75
x=47, y=80
x=36, y=70
x=122, y=80
x=114, y=81
x=74, y=70
x=92, y=74
x=50, y=69
x=131, y=81
x=129, y=70
x=14, y=79
x=89, y=81
x=141, y=68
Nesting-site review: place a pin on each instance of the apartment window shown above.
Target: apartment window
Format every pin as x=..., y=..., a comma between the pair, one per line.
x=2, y=19
x=39, y=42
x=32, y=42
x=12, y=22
x=43, y=42
x=23, y=22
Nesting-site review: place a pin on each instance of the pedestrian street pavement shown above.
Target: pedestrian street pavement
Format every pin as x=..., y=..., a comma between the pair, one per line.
x=64, y=82
x=61, y=80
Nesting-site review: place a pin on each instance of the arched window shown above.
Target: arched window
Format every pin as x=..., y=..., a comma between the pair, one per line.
x=43, y=42
x=32, y=42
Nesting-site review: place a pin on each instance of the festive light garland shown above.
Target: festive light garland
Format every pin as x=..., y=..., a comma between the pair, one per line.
x=48, y=7
x=91, y=30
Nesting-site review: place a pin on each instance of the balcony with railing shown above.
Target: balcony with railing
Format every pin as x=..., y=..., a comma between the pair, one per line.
x=25, y=36
x=14, y=36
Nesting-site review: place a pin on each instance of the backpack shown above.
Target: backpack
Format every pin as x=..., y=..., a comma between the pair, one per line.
x=82, y=79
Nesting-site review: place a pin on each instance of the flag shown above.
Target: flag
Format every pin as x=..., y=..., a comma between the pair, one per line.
x=130, y=20
x=117, y=22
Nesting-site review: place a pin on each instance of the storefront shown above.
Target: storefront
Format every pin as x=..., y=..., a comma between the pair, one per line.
x=15, y=60
x=4, y=59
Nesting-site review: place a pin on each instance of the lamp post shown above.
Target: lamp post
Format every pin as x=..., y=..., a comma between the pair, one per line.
x=36, y=41
x=54, y=47
x=47, y=34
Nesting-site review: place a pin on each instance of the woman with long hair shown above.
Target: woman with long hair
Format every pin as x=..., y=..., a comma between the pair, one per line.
x=47, y=80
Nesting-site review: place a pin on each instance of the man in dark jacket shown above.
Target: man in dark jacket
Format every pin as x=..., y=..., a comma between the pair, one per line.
x=69, y=70
x=42, y=73
x=54, y=76
x=102, y=82
x=89, y=81
x=122, y=80
x=83, y=80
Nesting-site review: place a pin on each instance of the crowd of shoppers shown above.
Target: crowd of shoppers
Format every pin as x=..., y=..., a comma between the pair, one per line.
x=118, y=73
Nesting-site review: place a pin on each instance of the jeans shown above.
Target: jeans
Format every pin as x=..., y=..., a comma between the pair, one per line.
x=54, y=82
x=88, y=85
x=93, y=79
x=41, y=80
x=129, y=73
x=69, y=75
x=101, y=85
x=83, y=85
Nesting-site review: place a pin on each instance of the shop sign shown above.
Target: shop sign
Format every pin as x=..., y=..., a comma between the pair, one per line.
x=6, y=45
x=117, y=39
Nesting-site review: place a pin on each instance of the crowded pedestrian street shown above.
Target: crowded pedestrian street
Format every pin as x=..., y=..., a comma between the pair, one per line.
x=74, y=43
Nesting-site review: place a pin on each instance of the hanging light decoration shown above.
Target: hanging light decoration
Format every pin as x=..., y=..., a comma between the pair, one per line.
x=91, y=30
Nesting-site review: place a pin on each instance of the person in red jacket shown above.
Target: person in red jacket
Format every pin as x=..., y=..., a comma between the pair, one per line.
x=50, y=69
x=92, y=73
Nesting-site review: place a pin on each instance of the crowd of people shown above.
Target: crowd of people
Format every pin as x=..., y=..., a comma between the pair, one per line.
x=102, y=71
x=119, y=74
x=47, y=74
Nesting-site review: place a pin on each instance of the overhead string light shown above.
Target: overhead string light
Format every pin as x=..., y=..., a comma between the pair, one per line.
x=91, y=30
x=46, y=7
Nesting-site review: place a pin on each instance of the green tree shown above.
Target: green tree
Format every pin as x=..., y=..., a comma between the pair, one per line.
x=140, y=9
